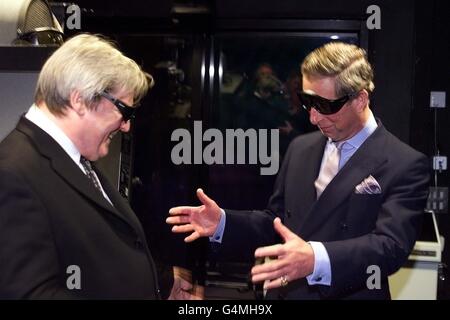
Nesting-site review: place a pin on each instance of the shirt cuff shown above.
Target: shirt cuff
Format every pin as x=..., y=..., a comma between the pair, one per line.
x=217, y=236
x=322, y=267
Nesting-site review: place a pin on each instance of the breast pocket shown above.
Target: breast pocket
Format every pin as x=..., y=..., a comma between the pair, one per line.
x=363, y=212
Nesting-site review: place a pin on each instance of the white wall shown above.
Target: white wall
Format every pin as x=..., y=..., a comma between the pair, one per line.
x=16, y=96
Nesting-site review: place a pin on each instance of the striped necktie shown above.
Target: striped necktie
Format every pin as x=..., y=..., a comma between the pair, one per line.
x=330, y=168
x=90, y=172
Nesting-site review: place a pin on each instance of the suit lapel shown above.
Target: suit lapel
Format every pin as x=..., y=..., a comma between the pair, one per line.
x=118, y=202
x=364, y=162
x=66, y=168
x=123, y=207
x=311, y=158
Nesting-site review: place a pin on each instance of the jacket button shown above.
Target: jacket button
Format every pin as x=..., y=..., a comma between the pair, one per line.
x=288, y=213
x=138, y=244
x=344, y=226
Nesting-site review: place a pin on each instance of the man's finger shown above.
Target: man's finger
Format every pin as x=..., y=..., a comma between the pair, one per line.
x=178, y=220
x=282, y=230
x=207, y=201
x=268, y=266
x=275, y=283
x=194, y=236
x=183, y=229
x=182, y=210
x=269, y=251
x=268, y=275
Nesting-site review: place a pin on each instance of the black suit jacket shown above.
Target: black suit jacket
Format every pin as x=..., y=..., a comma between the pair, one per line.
x=52, y=217
x=358, y=230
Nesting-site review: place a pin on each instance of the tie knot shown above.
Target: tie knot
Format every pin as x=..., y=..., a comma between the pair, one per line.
x=90, y=172
x=85, y=163
x=339, y=144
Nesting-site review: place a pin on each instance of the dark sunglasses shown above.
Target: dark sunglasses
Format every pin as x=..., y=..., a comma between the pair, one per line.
x=322, y=105
x=126, y=110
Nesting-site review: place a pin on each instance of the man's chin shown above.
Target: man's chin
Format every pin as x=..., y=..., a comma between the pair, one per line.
x=328, y=132
x=103, y=151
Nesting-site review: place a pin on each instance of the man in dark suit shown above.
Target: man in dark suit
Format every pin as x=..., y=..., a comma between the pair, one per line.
x=350, y=197
x=65, y=232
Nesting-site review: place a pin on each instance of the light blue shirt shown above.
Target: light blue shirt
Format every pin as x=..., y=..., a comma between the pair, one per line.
x=322, y=267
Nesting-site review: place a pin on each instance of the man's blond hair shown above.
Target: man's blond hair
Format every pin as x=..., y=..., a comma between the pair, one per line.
x=347, y=62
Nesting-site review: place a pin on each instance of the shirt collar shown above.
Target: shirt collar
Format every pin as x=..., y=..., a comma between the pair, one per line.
x=38, y=117
x=358, y=139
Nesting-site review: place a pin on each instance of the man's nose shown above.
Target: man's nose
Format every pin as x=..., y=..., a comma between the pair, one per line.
x=125, y=126
x=315, y=116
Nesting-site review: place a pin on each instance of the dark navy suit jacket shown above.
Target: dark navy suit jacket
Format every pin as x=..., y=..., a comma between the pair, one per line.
x=52, y=217
x=357, y=230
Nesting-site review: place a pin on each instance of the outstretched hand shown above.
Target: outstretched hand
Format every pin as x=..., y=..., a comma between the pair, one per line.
x=294, y=259
x=201, y=221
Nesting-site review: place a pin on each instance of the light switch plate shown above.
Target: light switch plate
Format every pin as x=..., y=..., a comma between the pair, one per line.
x=437, y=99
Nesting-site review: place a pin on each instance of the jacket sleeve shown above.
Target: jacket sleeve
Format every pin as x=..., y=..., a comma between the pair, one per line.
x=247, y=230
x=29, y=266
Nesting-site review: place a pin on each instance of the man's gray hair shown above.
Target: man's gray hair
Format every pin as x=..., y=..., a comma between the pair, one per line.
x=89, y=64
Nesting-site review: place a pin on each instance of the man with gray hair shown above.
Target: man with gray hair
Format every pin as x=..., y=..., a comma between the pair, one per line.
x=65, y=231
x=348, y=199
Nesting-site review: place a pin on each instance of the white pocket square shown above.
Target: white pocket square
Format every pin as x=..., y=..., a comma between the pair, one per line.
x=368, y=186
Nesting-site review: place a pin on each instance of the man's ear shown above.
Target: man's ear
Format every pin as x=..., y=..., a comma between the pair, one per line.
x=77, y=103
x=361, y=100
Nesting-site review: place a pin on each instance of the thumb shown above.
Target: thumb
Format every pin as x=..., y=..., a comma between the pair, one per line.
x=204, y=198
x=282, y=230
x=185, y=285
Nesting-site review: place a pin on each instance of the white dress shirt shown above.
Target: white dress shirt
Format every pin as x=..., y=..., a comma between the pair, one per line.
x=39, y=118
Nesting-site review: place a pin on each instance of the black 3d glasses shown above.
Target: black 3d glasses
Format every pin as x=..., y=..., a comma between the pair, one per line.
x=126, y=110
x=322, y=105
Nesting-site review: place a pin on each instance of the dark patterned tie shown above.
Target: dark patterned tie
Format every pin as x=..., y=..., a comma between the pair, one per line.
x=90, y=172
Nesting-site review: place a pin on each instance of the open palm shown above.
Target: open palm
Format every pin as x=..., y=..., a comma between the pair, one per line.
x=201, y=221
